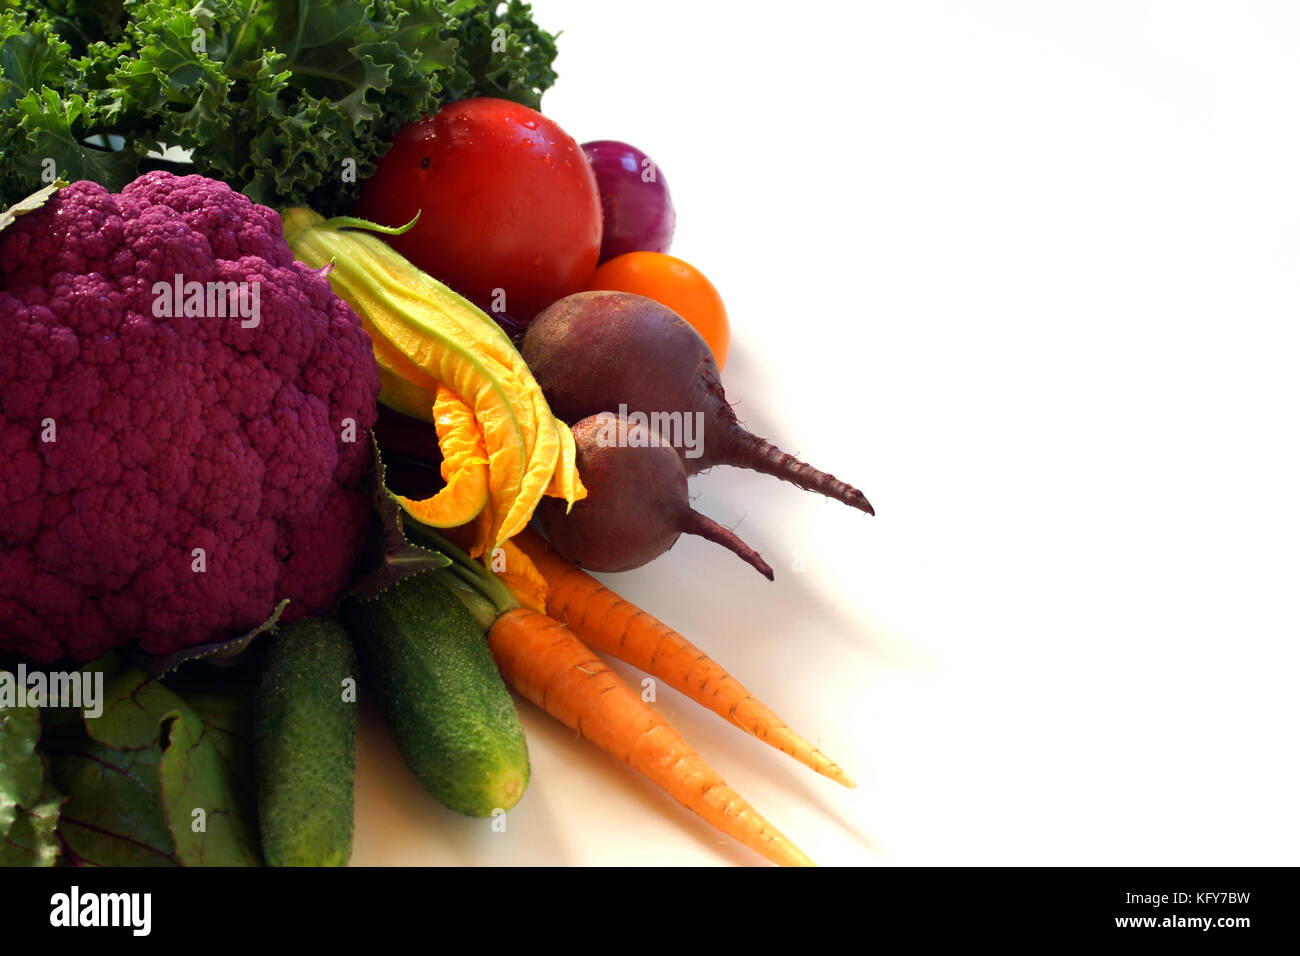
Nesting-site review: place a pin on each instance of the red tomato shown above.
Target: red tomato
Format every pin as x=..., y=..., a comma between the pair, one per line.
x=507, y=202
x=677, y=284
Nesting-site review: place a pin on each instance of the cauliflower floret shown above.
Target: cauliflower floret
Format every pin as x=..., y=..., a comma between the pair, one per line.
x=168, y=479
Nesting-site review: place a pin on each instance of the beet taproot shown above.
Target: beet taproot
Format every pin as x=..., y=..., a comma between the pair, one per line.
x=613, y=351
x=637, y=504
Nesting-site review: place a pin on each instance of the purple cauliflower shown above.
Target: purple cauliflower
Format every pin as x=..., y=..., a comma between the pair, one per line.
x=171, y=467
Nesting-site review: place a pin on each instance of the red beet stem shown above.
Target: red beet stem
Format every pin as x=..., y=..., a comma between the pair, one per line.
x=743, y=449
x=710, y=530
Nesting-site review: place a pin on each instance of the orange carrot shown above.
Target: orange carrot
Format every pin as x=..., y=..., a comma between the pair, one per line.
x=544, y=662
x=607, y=623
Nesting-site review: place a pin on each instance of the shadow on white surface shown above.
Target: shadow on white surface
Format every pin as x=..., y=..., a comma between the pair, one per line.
x=399, y=824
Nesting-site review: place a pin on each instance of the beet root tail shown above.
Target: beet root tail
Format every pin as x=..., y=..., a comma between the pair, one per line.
x=710, y=530
x=746, y=450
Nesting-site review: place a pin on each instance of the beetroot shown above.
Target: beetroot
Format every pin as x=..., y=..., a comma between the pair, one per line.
x=636, y=506
x=614, y=351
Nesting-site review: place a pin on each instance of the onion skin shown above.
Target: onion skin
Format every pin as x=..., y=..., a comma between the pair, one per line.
x=635, y=203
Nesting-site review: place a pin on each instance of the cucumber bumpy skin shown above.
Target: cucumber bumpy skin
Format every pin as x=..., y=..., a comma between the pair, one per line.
x=438, y=688
x=304, y=734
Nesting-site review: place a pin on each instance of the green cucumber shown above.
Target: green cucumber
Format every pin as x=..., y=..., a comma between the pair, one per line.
x=304, y=732
x=429, y=665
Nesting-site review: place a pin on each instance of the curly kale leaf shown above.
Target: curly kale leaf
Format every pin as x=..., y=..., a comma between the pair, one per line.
x=47, y=113
x=504, y=54
x=49, y=141
x=290, y=102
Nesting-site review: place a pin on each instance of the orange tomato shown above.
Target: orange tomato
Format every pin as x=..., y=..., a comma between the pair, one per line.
x=674, y=283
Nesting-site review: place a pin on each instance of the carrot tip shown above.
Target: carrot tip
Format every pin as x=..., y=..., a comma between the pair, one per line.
x=824, y=766
x=828, y=768
x=796, y=857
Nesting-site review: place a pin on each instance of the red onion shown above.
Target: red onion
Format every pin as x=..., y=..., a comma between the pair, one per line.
x=634, y=199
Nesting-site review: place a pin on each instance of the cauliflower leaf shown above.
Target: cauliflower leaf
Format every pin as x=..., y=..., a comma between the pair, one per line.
x=158, y=781
x=20, y=766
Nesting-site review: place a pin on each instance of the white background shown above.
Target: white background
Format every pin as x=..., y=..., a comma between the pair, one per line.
x=1027, y=274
